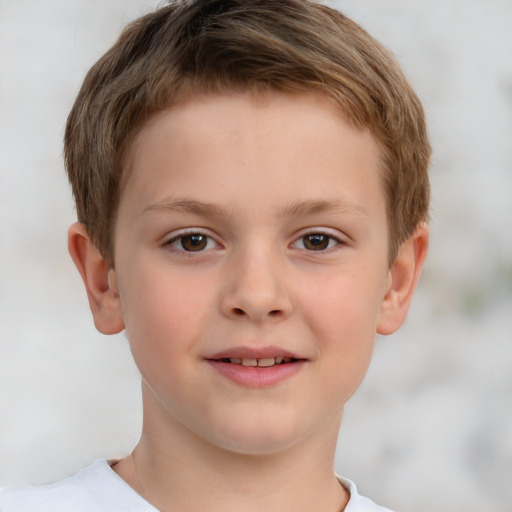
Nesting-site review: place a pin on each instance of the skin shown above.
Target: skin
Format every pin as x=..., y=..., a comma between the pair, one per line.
x=256, y=178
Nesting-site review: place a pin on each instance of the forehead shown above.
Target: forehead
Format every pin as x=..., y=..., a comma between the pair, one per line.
x=293, y=145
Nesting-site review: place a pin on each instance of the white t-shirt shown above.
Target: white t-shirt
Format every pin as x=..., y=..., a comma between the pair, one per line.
x=97, y=488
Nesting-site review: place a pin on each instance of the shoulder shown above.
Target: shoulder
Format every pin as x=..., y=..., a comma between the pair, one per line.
x=359, y=503
x=94, y=489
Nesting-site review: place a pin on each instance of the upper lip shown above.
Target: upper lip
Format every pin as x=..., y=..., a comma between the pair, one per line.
x=253, y=353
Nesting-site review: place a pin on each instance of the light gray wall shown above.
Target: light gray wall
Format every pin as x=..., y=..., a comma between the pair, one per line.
x=431, y=428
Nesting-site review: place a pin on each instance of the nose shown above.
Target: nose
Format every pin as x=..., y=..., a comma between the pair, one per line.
x=256, y=288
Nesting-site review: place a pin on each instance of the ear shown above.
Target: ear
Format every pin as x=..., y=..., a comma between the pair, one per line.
x=99, y=279
x=403, y=278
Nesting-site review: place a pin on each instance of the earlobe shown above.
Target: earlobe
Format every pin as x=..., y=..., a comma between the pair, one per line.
x=403, y=278
x=99, y=279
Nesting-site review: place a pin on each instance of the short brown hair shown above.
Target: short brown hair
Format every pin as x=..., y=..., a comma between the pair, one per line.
x=199, y=46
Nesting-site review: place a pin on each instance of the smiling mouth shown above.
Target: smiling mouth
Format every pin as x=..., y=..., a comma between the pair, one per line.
x=256, y=368
x=265, y=362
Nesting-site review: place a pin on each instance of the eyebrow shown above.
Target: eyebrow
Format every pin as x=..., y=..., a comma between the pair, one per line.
x=298, y=208
x=323, y=206
x=186, y=205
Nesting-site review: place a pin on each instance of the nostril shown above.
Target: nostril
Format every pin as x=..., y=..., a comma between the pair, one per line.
x=275, y=312
x=238, y=311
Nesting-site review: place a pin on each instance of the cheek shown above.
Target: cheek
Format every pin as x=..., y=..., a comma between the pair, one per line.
x=155, y=297
x=161, y=319
x=343, y=322
x=344, y=307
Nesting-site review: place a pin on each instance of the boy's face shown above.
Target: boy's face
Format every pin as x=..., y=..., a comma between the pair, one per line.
x=251, y=229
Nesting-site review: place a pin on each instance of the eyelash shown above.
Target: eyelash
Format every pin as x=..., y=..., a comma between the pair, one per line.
x=189, y=235
x=321, y=236
x=204, y=242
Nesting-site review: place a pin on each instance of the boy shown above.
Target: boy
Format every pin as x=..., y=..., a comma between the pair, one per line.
x=251, y=187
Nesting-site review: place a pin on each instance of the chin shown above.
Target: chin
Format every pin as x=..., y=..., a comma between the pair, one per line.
x=257, y=439
x=257, y=448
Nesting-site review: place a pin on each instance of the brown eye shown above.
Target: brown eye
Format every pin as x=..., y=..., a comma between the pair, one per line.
x=316, y=241
x=194, y=242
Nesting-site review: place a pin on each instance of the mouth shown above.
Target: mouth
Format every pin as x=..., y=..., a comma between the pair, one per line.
x=263, y=362
x=256, y=368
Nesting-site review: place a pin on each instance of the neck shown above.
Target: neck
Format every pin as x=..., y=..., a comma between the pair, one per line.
x=176, y=470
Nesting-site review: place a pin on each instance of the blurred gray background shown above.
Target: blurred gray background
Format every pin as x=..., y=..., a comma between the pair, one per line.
x=431, y=427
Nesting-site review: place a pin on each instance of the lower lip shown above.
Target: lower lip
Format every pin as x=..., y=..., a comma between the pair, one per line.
x=257, y=376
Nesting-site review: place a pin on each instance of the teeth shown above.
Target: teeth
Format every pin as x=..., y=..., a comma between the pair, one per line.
x=264, y=362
